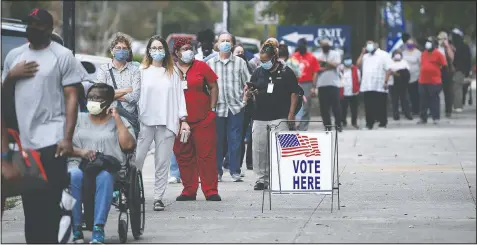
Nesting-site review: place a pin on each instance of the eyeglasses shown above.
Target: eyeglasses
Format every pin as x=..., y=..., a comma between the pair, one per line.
x=121, y=48
x=156, y=48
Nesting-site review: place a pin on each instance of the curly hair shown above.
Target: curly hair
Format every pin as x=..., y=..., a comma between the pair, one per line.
x=120, y=37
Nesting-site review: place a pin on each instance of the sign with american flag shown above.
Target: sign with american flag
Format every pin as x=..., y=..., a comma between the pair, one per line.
x=296, y=145
x=301, y=161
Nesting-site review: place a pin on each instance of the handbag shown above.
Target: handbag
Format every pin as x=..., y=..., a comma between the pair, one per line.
x=131, y=117
x=32, y=174
x=101, y=162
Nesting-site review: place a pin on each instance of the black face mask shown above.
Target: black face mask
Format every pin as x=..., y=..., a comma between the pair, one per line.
x=301, y=49
x=206, y=49
x=326, y=48
x=37, y=37
x=242, y=56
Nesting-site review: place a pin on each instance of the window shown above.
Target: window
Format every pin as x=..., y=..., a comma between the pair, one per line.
x=10, y=42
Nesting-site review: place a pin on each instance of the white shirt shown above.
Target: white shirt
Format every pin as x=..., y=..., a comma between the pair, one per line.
x=374, y=71
x=413, y=58
x=346, y=82
x=162, y=100
x=396, y=66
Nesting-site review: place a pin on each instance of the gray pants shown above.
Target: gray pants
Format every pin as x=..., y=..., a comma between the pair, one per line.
x=458, y=79
x=260, y=156
x=304, y=113
x=164, y=142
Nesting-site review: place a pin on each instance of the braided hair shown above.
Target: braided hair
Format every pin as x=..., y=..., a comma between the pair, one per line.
x=270, y=49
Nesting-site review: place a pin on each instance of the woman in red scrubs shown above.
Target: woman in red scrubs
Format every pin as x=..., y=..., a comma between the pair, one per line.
x=197, y=157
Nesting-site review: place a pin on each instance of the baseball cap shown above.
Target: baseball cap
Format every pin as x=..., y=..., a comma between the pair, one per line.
x=40, y=15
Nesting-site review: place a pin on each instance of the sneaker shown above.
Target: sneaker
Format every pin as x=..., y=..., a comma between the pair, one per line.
x=174, y=180
x=355, y=126
x=78, y=234
x=98, y=235
x=219, y=178
x=158, y=205
x=237, y=178
x=182, y=198
x=458, y=110
x=260, y=186
x=436, y=122
x=214, y=198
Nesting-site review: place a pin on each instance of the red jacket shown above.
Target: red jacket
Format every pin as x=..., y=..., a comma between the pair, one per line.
x=355, y=78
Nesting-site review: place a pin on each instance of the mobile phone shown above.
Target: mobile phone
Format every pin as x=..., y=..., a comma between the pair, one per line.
x=251, y=86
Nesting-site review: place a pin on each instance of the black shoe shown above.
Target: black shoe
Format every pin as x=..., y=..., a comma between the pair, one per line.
x=260, y=186
x=249, y=167
x=339, y=129
x=448, y=115
x=345, y=124
x=159, y=206
x=382, y=125
x=215, y=198
x=396, y=118
x=408, y=116
x=422, y=122
x=355, y=126
x=185, y=198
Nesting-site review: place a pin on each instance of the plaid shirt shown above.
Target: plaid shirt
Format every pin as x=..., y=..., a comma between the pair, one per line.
x=374, y=71
x=128, y=77
x=233, y=75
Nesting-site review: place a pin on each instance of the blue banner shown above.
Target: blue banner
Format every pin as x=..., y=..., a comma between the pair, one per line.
x=340, y=35
x=395, y=24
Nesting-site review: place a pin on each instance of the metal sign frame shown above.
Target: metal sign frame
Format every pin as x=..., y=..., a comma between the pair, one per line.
x=335, y=187
x=266, y=19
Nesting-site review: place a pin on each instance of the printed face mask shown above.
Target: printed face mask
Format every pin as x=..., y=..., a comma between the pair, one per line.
x=121, y=55
x=225, y=47
x=157, y=55
x=94, y=107
x=187, y=56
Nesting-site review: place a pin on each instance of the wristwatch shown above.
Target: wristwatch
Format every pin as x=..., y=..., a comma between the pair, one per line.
x=184, y=119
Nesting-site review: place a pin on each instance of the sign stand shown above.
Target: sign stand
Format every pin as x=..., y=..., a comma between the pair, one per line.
x=334, y=160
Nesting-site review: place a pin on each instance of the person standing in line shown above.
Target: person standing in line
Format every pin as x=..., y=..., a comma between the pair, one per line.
x=206, y=51
x=462, y=64
x=399, y=74
x=197, y=156
x=162, y=112
x=309, y=68
x=413, y=57
x=124, y=77
x=447, y=50
x=375, y=63
x=232, y=75
x=430, y=81
x=350, y=79
x=275, y=94
x=284, y=56
x=328, y=85
x=44, y=77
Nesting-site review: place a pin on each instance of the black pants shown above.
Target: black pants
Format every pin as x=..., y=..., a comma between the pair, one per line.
x=246, y=123
x=41, y=207
x=448, y=89
x=376, y=108
x=352, y=103
x=429, y=94
x=399, y=94
x=329, y=98
x=413, y=89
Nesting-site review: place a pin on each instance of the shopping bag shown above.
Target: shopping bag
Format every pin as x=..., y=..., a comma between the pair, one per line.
x=65, y=231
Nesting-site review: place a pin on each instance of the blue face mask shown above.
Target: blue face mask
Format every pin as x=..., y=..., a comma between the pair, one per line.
x=347, y=62
x=225, y=47
x=158, y=55
x=267, y=65
x=121, y=55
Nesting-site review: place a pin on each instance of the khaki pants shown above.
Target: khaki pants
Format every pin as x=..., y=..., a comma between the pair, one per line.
x=260, y=157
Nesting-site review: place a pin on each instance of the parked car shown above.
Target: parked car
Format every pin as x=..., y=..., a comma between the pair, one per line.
x=92, y=63
x=250, y=45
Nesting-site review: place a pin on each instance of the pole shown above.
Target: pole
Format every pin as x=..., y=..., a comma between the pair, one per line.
x=225, y=12
x=159, y=23
x=265, y=28
x=69, y=24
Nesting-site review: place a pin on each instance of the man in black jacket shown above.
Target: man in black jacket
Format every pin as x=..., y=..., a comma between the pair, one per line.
x=462, y=65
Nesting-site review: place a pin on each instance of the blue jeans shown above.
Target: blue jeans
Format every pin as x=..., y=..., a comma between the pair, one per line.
x=231, y=128
x=175, y=167
x=103, y=196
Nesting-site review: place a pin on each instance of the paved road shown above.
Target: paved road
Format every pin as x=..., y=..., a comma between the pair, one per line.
x=403, y=184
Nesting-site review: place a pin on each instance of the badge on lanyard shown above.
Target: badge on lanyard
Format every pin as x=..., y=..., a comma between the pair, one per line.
x=184, y=82
x=270, y=86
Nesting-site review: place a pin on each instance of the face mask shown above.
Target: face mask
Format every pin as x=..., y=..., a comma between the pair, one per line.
x=267, y=65
x=370, y=47
x=187, y=56
x=225, y=47
x=411, y=45
x=94, y=107
x=301, y=49
x=157, y=55
x=428, y=46
x=347, y=62
x=326, y=48
x=37, y=37
x=397, y=57
x=121, y=55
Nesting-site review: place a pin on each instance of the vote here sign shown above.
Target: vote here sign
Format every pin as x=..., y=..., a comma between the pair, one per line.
x=301, y=161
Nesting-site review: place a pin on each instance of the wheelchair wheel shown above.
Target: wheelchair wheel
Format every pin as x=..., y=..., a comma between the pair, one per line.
x=123, y=228
x=136, y=202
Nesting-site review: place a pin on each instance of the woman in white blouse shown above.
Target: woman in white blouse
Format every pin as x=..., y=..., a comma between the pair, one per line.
x=398, y=76
x=162, y=112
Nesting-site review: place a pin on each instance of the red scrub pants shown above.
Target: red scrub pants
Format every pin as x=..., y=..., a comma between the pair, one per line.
x=197, y=158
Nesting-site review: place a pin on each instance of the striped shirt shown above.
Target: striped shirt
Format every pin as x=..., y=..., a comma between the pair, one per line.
x=128, y=77
x=233, y=74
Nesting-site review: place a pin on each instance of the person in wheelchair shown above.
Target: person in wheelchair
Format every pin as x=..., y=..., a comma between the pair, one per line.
x=99, y=130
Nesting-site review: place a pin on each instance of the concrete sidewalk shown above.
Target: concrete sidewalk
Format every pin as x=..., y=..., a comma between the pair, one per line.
x=403, y=184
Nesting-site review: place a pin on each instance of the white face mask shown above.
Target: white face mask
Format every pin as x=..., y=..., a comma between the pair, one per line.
x=428, y=45
x=187, y=56
x=94, y=107
x=397, y=57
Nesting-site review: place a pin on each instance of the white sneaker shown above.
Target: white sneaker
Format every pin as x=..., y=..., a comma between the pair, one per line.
x=174, y=180
x=458, y=110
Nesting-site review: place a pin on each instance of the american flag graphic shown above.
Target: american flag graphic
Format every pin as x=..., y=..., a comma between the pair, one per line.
x=296, y=144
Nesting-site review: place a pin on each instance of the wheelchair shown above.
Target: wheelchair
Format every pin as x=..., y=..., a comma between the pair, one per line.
x=130, y=202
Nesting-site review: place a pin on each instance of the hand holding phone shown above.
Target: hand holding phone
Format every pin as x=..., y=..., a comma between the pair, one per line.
x=251, y=86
